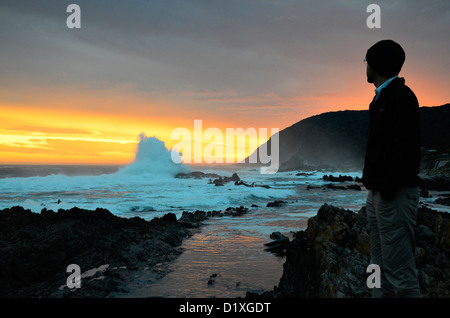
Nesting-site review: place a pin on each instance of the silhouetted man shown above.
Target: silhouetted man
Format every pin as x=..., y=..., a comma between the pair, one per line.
x=391, y=170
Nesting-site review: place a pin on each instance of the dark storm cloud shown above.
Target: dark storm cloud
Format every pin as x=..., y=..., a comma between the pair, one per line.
x=246, y=48
x=216, y=41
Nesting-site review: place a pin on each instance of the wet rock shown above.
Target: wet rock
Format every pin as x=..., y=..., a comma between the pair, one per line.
x=347, y=187
x=236, y=211
x=443, y=200
x=36, y=249
x=278, y=245
x=332, y=186
x=433, y=238
x=194, y=217
x=425, y=193
x=251, y=185
x=441, y=183
x=220, y=181
x=309, y=187
x=234, y=177
x=303, y=174
x=330, y=257
x=196, y=175
x=276, y=204
x=340, y=178
x=212, y=279
x=354, y=187
x=335, y=187
x=278, y=237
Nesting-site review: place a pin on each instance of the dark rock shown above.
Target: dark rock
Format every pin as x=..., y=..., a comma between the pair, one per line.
x=303, y=174
x=276, y=204
x=252, y=185
x=220, y=181
x=277, y=236
x=234, y=177
x=425, y=193
x=330, y=257
x=443, y=201
x=194, y=217
x=347, y=187
x=335, y=187
x=196, y=175
x=424, y=234
x=332, y=186
x=433, y=257
x=341, y=178
x=212, y=279
x=309, y=187
x=36, y=249
x=354, y=187
x=236, y=211
x=278, y=245
x=437, y=183
x=277, y=249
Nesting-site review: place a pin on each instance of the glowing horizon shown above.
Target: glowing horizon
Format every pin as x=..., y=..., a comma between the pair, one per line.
x=48, y=136
x=91, y=139
x=84, y=96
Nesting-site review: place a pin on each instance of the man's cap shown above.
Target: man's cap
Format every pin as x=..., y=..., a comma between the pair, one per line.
x=386, y=57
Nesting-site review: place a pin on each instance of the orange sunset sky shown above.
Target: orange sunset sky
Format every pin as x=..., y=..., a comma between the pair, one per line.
x=83, y=96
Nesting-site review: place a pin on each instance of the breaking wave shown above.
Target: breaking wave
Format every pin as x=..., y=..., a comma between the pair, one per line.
x=153, y=158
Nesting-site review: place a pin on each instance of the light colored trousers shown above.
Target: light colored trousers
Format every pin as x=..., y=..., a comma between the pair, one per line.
x=392, y=244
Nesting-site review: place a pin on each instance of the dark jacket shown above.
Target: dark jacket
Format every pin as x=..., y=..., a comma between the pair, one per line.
x=393, y=142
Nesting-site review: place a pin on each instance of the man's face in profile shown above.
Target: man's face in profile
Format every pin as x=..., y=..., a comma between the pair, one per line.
x=370, y=74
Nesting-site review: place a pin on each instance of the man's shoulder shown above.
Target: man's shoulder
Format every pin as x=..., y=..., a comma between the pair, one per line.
x=408, y=95
x=402, y=92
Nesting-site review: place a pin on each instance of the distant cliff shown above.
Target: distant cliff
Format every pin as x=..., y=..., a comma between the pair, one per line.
x=336, y=140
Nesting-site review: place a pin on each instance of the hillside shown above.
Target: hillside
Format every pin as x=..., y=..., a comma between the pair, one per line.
x=336, y=140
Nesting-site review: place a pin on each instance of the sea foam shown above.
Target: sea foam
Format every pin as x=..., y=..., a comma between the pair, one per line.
x=146, y=187
x=152, y=157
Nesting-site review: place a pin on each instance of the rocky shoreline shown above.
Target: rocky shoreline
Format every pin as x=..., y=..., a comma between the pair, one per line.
x=326, y=260
x=330, y=257
x=37, y=248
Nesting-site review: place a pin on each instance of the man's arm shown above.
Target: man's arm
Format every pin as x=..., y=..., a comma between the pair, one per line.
x=402, y=148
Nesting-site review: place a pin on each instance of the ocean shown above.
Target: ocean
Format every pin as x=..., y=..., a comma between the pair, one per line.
x=230, y=249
